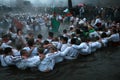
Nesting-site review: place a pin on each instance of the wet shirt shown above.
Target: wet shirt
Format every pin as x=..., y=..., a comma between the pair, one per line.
x=34, y=52
x=83, y=48
x=29, y=62
x=114, y=37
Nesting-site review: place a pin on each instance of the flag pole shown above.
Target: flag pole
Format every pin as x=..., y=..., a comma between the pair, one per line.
x=70, y=5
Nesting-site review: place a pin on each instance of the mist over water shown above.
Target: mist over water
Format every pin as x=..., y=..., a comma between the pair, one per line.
x=61, y=3
x=75, y=2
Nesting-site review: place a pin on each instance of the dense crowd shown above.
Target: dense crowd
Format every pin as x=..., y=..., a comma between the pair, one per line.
x=83, y=37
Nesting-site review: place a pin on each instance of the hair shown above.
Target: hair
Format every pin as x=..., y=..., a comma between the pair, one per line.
x=103, y=35
x=30, y=34
x=55, y=39
x=40, y=36
x=60, y=37
x=85, y=28
x=30, y=42
x=65, y=39
x=114, y=31
x=46, y=42
x=7, y=50
x=77, y=31
x=41, y=50
x=22, y=52
x=18, y=30
x=65, y=31
x=50, y=34
x=97, y=37
x=73, y=35
x=73, y=41
x=71, y=28
x=83, y=39
x=78, y=42
x=19, y=46
x=1, y=51
x=4, y=35
x=53, y=48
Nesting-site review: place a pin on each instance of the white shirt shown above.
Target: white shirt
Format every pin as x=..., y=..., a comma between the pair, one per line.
x=94, y=46
x=34, y=52
x=30, y=62
x=105, y=41
x=50, y=40
x=98, y=44
x=83, y=48
x=3, y=63
x=28, y=27
x=72, y=53
x=64, y=46
x=97, y=21
x=114, y=37
x=16, y=52
x=4, y=45
x=94, y=34
x=55, y=43
x=48, y=62
x=8, y=60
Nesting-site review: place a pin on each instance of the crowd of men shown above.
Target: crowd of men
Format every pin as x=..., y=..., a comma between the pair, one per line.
x=27, y=50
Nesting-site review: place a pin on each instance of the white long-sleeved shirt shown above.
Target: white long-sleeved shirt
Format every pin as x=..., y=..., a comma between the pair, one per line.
x=83, y=48
x=94, y=46
x=4, y=45
x=114, y=37
x=16, y=52
x=70, y=53
x=58, y=58
x=98, y=20
x=29, y=62
x=104, y=41
x=94, y=34
x=57, y=44
x=63, y=47
x=9, y=60
x=47, y=63
x=34, y=52
x=3, y=63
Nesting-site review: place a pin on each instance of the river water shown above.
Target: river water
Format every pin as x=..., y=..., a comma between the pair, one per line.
x=103, y=65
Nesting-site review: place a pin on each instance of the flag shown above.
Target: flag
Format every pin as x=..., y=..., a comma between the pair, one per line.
x=80, y=4
x=67, y=12
x=55, y=25
x=70, y=4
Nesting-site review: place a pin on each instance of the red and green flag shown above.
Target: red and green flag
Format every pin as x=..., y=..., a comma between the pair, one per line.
x=67, y=12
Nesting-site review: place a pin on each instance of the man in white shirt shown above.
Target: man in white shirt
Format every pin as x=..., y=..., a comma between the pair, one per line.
x=71, y=52
x=114, y=37
x=48, y=63
x=83, y=48
x=28, y=62
x=7, y=58
x=64, y=44
x=31, y=49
